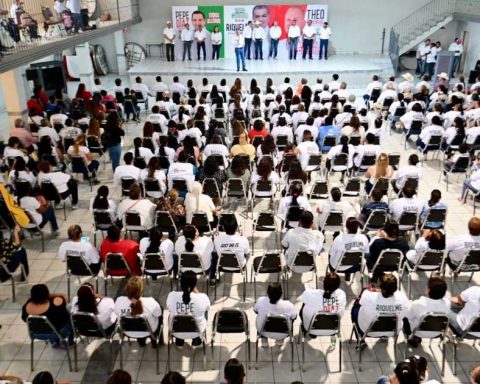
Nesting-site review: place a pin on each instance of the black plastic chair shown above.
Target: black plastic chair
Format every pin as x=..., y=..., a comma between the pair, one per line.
x=228, y=262
x=50, y=192
x=269, y=262
x=154, y=265
x=190, y=261
x=231, y=321
x=139, y=324
x=469, y=264
x=376, y=220
x=303, y=262
x=471, y=333
x=10, y=275
x=77, y=266
x=102, y=221
x=430, y=261
x=86, y=325
x=165, y=222
x=319, y=190
x=115, y=266
x=40, y=325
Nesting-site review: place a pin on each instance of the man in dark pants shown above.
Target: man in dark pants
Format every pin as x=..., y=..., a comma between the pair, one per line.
x=308, y=34
x=187, y=38
x=169, y=36
x=258, y=35
x=325, y=33
x=247, y=34
x=200, y=36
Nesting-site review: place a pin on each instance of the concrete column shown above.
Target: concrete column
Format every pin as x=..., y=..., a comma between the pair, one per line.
x=85, y=65
x=13, y=99
x=120, y=52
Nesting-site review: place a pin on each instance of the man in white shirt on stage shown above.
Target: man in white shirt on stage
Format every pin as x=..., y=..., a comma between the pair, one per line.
x=293, y=35
x=187, y=38
x=247, y=34
x=457, y=48
x=325, y=33
x=258, y=34
x=275, y=33
x=169, y=36
x=308, y=35
x=200, y=36
x=239, y=44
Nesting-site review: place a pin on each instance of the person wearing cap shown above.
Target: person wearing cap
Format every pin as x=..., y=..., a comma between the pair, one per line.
x=258, y=34
x=308, y=34
x=442, y=80
x=169, y=36
x=247, y=34
x=187, y=39
x=457, y=48
x=325, y=33
x=407, y=83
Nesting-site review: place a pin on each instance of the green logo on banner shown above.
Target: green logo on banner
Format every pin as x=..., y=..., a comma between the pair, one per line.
x=239, y=13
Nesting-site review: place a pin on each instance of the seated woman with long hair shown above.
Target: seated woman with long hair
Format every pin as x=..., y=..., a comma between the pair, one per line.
x=155, y=243
x=134, y=303
x=265, y=172
x=102, y=202
x=87, y=300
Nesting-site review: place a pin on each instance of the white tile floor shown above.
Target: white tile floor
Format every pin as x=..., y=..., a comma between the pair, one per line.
x=274, y=362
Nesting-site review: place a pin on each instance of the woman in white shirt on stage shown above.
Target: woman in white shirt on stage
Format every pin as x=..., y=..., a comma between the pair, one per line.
x=216, y=43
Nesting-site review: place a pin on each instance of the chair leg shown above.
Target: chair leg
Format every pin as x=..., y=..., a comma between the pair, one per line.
x=454, y=357
x=303, y=341
x=444, y=355
x=68, y=355
x=43, y=241
x=32, y=368
x=14, y=299
x=339, y=352
x=68, y=287
x=292, y=353
x=204, y=354
x=75, y=354
x=247, y=350
x=157, y=352
x=256, y=352
x=121, y=352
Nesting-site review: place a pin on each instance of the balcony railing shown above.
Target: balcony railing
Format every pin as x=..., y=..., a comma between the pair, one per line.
x=52, y=27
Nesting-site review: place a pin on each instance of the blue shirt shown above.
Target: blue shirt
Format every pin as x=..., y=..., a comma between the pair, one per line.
x=327, y=130
x=423, y=215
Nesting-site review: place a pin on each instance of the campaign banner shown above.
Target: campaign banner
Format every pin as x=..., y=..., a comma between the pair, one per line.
x=229, y=18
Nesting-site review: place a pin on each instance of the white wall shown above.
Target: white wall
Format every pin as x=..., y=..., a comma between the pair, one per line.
x=356, y=25
x=472, y=53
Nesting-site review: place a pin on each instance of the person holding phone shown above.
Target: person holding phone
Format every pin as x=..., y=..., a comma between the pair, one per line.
x=80, y=245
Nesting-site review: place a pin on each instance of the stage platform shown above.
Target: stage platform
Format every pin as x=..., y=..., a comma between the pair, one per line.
x=356, y=70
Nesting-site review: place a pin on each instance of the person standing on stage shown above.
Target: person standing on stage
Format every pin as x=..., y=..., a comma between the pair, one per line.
x=258, y=35
x=275, y=33
x=325, y=33
x=187, y=38
x=169, y=36
x=293, y=35
x=239, y=44
x=200, y=36
x=457, y=47
x=216, y=42
x=247, y=34
x=308, y=35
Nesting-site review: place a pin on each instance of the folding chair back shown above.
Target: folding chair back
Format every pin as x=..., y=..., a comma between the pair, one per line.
x=350, y=259
x=230, y=321
x=319, y=190
x=200, y=221
x=324, y=324
x=180, y=185
x=126, y=183
x=86, y=324
x=376, y=220
x=154, y=263
x=352, y=188
x=116, y=265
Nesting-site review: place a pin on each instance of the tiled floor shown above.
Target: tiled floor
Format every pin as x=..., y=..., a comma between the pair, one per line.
x=321, y=365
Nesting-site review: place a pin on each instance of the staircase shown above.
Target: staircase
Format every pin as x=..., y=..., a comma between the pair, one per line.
x=422, y=23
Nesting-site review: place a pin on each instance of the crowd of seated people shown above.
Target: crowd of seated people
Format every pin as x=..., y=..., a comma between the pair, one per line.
x=274, y=148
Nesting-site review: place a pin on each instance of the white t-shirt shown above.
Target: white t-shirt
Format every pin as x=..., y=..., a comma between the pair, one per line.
x=180, y=171
x=14, y=152
x=302, y=239
x=285, y=203
x=471, y=297
x=347, y=242
x=263, y=307
x=205, y=204
x=406, y=172
x=235, y=243
x=105, y=307
x=126, y=171
x=170, y=34
x=166, y=246
x=273, y=177
x=22, y=175
x=275, y=32
x=158, y=175
x=203, y=247
x=217, y=38
x=112, y=207
x=144, y=207
x=429, y=131
x=309, y=31
x=294, y=31
x=146, y=153
x=315, y=301
x=457, y=246
x=373, y=304
x=51, y=132
x=151, y=311
x=59, y=179
x=398, y=206
x=82, y=152
x=366, y=149
x=307, y=148
x=198, y=306
x=32, y=204
x=85, y=250
x=325, y=33
x=420, y=307
x=200, y=36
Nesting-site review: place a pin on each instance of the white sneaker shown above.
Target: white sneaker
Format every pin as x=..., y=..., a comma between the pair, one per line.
x=264, y=342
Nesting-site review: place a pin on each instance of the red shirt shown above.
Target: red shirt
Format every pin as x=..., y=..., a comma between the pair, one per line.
x=43, y=98
x=85, y=95
x=128, y=248
x=34, y=105
x=254, y=133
